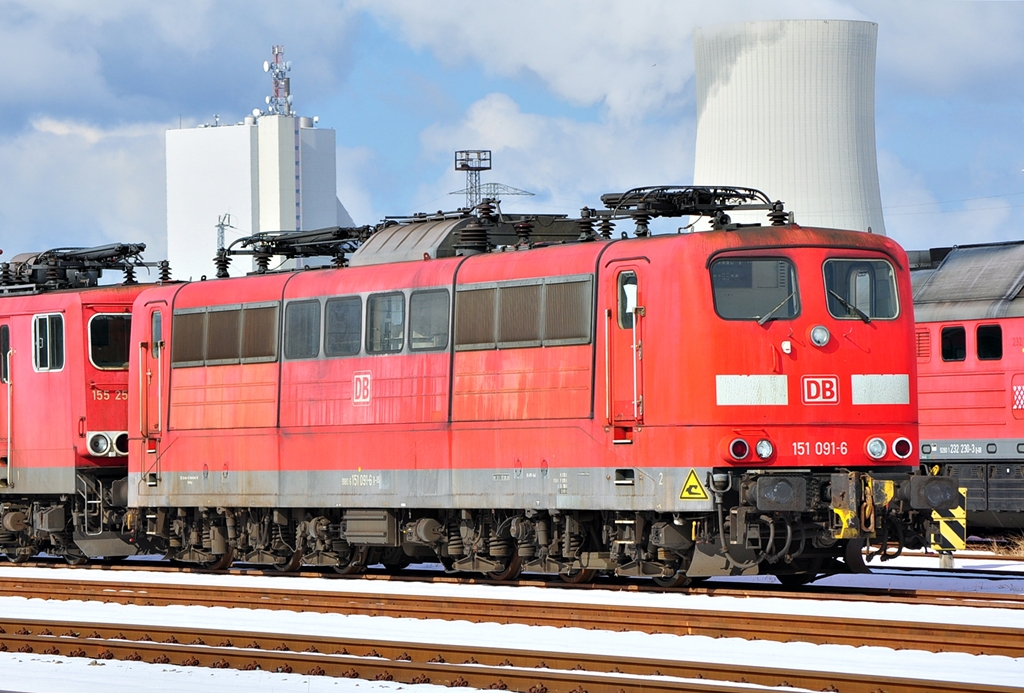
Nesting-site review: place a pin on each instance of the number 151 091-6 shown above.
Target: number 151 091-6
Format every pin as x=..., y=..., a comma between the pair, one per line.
x=819, y=448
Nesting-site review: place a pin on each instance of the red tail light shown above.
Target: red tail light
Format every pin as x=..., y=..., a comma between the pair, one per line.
x=739, y=449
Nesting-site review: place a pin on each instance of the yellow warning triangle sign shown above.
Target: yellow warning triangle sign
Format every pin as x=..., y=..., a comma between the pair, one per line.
x=692, y=488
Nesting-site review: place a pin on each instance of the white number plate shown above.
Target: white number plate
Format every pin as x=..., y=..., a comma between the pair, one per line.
x=820, y=448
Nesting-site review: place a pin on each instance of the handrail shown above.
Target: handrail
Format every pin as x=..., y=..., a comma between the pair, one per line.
x=607, y=366
x=143, y=393
x=159, y=386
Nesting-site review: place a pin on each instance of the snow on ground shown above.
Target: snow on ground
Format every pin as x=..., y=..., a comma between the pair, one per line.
x=22, y=672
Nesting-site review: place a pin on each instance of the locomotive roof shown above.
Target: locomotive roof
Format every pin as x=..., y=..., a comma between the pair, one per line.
x=437, y=238
x=968, y=282
x=32, y=302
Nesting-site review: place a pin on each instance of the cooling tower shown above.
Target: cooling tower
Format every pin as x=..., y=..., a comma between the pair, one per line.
x=788, y=107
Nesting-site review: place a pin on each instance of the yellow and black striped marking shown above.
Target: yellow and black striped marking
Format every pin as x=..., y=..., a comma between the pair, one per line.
x=951, y=526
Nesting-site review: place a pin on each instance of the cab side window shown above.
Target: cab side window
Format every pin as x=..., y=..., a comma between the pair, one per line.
x=5, y=349
x=157, y=332
x=48, y=332
x=627, y=299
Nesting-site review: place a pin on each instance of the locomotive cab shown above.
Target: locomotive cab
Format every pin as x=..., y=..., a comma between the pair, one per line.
x=63, y=403
x=769, y=367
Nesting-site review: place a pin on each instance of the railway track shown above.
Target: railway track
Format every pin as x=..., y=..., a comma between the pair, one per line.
x=723, y=588
x=454, y=666
x=677, y=621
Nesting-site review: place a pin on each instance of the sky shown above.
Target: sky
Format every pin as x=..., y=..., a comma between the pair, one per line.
x=574, y=99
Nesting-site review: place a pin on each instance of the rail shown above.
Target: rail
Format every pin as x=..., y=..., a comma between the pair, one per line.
x=413, y=662
x=933, y=637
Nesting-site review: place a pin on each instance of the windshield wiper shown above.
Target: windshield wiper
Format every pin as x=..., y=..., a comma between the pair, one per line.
x=850, y=307
x=772, y=312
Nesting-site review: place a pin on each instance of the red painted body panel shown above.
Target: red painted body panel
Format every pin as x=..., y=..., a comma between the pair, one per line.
x=52, y=410
x=547, y=406
x=226, y=397
x=973, y=398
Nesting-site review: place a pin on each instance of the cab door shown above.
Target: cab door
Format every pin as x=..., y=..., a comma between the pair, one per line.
x=154, y=377
x=624, y=317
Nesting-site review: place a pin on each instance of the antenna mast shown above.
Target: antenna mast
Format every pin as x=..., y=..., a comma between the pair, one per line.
x=473, y=161
x=281, y=101
x=223, y=222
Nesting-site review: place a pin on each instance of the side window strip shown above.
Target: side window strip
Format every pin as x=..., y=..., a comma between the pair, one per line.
x=954, y=343
x=343, y=320
x=302, y=330
x=990, y=342
x=385, y=323
x=532, y=313
x=223, y=335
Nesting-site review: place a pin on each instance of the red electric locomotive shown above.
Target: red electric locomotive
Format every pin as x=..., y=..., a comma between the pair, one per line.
x=970, y=355
x=64, y=401
x=672, y=406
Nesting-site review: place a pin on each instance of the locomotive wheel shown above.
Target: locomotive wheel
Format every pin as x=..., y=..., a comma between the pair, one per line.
x=290, y=565
x=578, y=577
x=75, y=558
x=512, y=570
x=796, y=579
x=221, y=563
x=853, y=556
x=356, y=563
x=394, y=559
x=18, y=557
x=680, y=579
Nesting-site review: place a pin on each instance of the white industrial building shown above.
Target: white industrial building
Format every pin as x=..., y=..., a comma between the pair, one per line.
x=270, y=172
x=788, y=107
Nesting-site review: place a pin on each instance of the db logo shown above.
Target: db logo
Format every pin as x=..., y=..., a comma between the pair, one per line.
x=361, y=388
x=820, y=389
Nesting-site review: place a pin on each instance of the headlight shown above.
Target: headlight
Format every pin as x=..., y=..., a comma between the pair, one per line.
x=99, y=444
x=121, y=444
x=819, y=335
x=876, y=448
x=764, y=448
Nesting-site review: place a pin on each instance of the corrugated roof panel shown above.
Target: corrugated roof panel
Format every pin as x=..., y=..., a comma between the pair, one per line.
x=408, y=243
x=979, y=273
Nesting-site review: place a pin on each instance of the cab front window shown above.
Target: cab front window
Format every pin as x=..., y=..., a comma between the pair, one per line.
x=759, y=289
x=859, y=289
x=109, y=337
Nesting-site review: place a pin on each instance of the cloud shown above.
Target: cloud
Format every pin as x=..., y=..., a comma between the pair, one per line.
x=945, y=47
x=68, y=183
x=566, y=163
x=918, y=220
x=632, y=58
x=120, y=60
x=353, y=163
